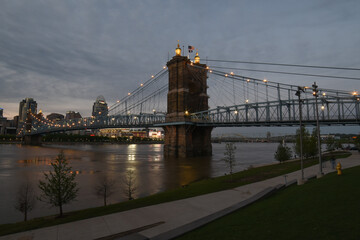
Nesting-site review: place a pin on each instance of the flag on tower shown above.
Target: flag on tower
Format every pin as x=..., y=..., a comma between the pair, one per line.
x=191, y=49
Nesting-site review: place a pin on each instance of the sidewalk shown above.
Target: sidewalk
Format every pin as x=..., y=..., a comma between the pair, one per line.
x=167, y=220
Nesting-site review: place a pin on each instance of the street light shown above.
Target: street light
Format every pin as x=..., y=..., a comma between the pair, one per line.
x=315, y=93
x=298, y=93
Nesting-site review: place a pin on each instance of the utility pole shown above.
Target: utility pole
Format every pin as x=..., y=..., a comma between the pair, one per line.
x=315, y=93
x=298, y=93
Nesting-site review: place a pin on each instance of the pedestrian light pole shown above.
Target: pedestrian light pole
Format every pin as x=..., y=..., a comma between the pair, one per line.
x=298, y=93
x=315, y=93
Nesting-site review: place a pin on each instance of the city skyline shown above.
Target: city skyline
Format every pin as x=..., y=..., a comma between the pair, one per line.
x=65, y=54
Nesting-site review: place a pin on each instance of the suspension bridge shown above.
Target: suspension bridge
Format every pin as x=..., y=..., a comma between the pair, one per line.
x=188, y=99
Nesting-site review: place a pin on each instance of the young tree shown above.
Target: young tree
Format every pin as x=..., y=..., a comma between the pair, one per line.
x=312, y=146
x=59, y=186
x=268, y=136
x=130, y=184
x=330, y=143
x=309, y=143
x=283, y=153
x=305, y=137
x=229, y=156
x=105, y=188
x=25, y=199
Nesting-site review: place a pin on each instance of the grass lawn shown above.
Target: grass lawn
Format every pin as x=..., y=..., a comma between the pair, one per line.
x=195, y=189
x=326, y=208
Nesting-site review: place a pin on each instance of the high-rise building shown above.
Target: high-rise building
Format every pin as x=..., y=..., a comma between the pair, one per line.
x=72, y=115
x=28, y=104
x=100, y=107
x=1, y=112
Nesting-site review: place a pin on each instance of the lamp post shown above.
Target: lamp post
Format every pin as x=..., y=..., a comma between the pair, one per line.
x=298, y=93
x=315, y=93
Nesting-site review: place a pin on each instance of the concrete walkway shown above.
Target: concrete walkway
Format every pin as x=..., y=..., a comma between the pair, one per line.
x=168, y=220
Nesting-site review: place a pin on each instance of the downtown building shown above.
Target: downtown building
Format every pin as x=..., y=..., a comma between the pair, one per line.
x=100, y=107
x=27, y=105
x=55, y=117
x=7, y=127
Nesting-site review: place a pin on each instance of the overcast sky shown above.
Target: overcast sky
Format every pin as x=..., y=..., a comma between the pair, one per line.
x=66, y=53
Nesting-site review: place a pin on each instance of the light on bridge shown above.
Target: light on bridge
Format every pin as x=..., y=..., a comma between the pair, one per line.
x=141, y=84
x=247, y=101
x=152, y=76
x=226, y=75
x=248, y=80
x=164, y=67
x=178, y=50
x=186, y=112
x=265, y=80
x=324, y=94
x=236, y=112
x=129, y=94
x=197, y=58
x=232, y=73
x=354, y=93
x=322, y=107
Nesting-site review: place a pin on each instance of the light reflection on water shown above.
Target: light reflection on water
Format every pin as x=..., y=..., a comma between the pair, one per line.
x=153, y=172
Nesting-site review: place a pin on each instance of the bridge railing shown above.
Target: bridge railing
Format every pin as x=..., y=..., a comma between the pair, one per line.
x=119, y=121
x=284, y=112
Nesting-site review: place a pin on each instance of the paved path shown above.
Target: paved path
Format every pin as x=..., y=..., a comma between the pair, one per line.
x=167, y=220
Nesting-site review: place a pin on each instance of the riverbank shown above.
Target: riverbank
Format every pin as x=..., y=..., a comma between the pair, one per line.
x=195, y=189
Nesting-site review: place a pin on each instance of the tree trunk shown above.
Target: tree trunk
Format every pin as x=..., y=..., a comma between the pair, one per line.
x=105, y=197
x=61, y=211
x=25, y=215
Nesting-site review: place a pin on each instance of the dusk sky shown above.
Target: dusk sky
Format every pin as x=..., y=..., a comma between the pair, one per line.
x=66, y=53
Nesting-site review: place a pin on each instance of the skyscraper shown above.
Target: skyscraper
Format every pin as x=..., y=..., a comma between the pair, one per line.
x=100, y=107
x=28, y=104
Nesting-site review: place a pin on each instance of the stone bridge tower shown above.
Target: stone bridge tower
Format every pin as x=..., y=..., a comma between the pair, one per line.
x=187, y=94
x=31, y=139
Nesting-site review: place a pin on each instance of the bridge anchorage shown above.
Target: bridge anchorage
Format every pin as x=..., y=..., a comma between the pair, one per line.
x=180, y=105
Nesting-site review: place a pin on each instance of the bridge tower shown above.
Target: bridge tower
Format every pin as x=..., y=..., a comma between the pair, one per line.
x=187, y=94
x=31, y=139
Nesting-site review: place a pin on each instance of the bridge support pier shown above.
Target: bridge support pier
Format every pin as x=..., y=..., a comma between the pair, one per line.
x=187, y=141
x=32, y=140
x=187, y=94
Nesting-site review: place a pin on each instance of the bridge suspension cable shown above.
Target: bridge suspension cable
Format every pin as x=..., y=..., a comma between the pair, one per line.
x=225, y=87
x=288, y=73
x=142, y=99
x=284, y=64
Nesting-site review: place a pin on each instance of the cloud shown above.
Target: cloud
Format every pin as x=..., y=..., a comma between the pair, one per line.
x=73, y=51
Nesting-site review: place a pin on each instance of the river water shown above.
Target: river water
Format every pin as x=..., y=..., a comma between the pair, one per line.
x=153, y=172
